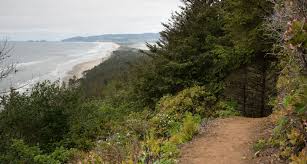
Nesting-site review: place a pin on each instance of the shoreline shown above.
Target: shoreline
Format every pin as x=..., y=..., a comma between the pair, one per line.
x=78, y=70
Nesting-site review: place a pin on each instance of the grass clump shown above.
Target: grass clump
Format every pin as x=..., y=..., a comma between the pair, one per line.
x=260, y=145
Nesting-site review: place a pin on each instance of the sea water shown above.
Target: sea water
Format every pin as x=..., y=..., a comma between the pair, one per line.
x=39, y=61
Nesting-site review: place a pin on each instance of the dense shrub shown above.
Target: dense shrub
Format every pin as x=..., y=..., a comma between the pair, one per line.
x=154, y=136
x=290, y=133
x=190, y=126
x=20, y=152
x=227, y=109
x=288, y=24
x=47, y=121
x=40, y=117
x=196, y=100
x=171, y=109
x=176, y=121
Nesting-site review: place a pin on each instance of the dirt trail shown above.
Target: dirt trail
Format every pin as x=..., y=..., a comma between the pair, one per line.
x=226, y=141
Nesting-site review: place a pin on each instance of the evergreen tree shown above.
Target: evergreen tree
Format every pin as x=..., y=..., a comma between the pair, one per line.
x=244, y=23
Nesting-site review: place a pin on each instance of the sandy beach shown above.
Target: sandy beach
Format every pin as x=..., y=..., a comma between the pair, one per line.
x=79, y=69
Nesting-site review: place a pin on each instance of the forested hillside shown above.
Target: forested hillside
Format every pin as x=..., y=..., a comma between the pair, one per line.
x=117, y=68
x=214, y=59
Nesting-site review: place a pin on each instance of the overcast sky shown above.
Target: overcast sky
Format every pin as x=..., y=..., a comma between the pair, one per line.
x=58, y=19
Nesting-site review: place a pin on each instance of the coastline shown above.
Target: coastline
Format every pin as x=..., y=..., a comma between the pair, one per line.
x=78, y=70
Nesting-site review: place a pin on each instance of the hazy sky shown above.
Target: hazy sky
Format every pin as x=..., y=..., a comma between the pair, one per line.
x=58, y=19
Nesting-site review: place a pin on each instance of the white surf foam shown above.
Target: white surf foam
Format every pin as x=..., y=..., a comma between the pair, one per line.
x=101, y=51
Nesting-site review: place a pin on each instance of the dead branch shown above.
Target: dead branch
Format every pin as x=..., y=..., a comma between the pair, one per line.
x=6, y=67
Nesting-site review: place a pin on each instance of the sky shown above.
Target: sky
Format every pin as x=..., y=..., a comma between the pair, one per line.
x=59, y=19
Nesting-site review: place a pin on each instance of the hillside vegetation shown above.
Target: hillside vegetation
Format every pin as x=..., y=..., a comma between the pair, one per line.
x=214, y=59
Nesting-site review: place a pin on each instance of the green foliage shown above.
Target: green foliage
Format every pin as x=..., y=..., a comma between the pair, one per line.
x=244, y=22
x=138, y=109
x=85, y=126
x=94, y=82
x=169, y=151
x=227, y=109
x=165, y=149
x=196, y=100
x=177, y=120
x=90, y=121
x=60, y=155
x=281, y=125
x=63, y=155
x=297, y=34
x=20, y=152
x=48, y=120
x=171, y=109
x=186, y=56
x=260, y=145
x=118, y=148
x=290, y=134
x=204, y=44
x=40, y=117
x=190, y=127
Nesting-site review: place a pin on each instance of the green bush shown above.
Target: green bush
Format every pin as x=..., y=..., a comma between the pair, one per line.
x=298, y=35
x=169, y=150
x=177, y=119
x=20, y=152
x=190, y=127
x=85, y=125
x=40, y=117
x=164, y=149
x=289, y=135
x=227, y=109
x=49, y=119
x=260, y=145
x=171, y=109
x=60, y=155
x=196, y=100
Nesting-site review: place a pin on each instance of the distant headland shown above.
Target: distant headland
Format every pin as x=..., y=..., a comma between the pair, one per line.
x=117, y=38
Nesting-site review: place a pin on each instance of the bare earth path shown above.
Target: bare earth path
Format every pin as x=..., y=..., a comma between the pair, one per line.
x=226, y=141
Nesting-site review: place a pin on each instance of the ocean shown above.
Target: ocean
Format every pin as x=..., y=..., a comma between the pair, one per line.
x=39, y=61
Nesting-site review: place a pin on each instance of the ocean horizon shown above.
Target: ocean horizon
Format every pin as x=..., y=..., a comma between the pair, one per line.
x=39, y=61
